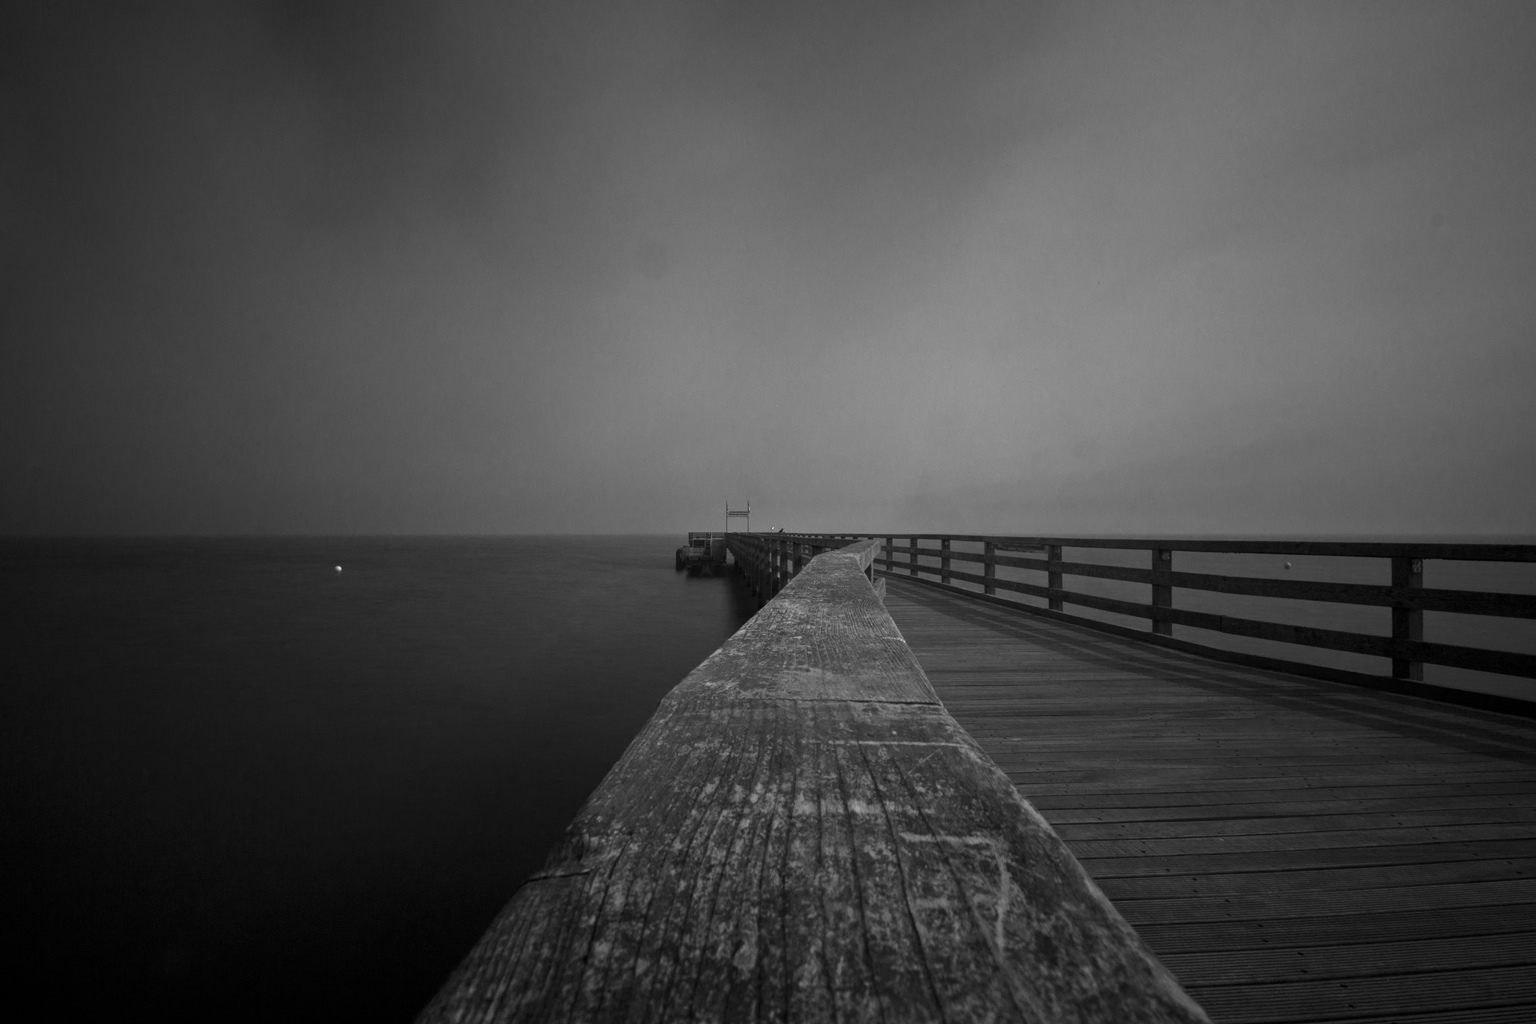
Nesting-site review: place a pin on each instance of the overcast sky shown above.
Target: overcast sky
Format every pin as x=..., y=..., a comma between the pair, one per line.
x=1036, y=268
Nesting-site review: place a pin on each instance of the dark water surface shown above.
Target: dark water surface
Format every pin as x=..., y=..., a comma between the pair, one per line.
x=239, y=785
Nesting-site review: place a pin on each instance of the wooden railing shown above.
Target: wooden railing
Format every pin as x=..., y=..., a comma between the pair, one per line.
x=933, y=558
x=770, y=560
x=803, y=833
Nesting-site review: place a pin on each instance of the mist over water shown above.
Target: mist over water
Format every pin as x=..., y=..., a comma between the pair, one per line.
x=241, y=785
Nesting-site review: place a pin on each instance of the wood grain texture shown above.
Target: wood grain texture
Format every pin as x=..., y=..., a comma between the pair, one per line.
x=1295, y=850
x=802, y=833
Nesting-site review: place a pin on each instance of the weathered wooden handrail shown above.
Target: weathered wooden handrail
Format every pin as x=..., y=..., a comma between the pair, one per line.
x=770, y=560
x=903, y=554
x=802, y=833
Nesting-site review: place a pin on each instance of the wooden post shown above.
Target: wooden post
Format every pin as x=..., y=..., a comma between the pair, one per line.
x=944, y=561
x=755, y=570
x=1162, y=593
x=1053, y=576
x=1407, y=623
x=890, y=554
x=913, y=544
x=990, y=569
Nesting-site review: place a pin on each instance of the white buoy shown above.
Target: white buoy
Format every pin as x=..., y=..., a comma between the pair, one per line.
x=338, y=568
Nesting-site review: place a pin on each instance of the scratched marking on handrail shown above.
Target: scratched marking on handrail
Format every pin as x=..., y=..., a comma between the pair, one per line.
x=1004, y=879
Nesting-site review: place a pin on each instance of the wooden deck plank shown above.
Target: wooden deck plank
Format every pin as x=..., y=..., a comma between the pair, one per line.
x=1404, y=993
x=1232, y=938
x=1354, y=878
x=1166, y=798
x=1384, y=837
x=1252, y=825
x=1264, y=809
x=1276, y=965
x=1522, y=1013
x=1246, y=821
x=1043, y=778
x=1140, y=864
x=1300, y=899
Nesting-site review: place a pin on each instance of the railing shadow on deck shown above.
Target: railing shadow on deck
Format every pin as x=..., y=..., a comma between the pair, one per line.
x=802, y=832
x=770, y=560
x=1291, y=693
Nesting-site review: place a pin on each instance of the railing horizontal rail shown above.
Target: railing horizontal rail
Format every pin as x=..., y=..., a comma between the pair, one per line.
x=1463, y=602
x=1347, y=549
x=1107, y=604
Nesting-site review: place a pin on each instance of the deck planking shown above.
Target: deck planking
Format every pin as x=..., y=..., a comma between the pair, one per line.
x=1293, y=850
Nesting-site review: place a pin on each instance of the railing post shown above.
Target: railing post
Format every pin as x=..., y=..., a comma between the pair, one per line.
x=890, y=554
x=1053, y=576
x=944, y=561
x=760, y=570
x=1407, y=623
x=989, y=570
x=1162, y=593
x=913, y=545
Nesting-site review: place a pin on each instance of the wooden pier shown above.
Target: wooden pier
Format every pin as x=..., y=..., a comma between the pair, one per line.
x=896, y=794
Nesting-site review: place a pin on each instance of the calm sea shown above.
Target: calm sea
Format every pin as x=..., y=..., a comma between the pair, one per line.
x=239, y=785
